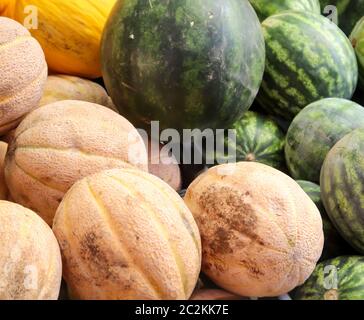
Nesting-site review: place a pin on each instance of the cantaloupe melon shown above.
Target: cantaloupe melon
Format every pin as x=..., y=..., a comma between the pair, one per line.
x=23, y=72
x=63, y=87
x=126, y=234
x=59, y=143
x=30, y=259
x=261, y=234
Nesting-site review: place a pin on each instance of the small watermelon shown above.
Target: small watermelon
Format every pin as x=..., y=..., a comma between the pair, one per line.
x=267, y=8
x=342, y=177
x=258, y=138
x=341, y=278
x=334, y=244
x=315, y=130
x=348, y=12
x=357, y=39
x=308, y=58
x=187, y=64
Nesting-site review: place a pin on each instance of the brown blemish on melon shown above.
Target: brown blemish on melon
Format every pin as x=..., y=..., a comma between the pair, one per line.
x=233, y=213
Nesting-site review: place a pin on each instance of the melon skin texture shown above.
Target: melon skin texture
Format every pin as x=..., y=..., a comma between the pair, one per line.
x=30, y=259
x=187, y=64
x=164, y=165
x=341, y=278
x=258, y=138
x=23, y=72
x=267, y=8
x=125, y=234
x=334, y=244
x=3, y=187
x=315, y=130
x=63, y=87
x=60, y=143
x=261, y=234
x=308, y=58
x=341, y=181
x=68, y=31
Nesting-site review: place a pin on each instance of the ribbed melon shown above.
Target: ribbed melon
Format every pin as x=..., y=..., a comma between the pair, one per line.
x=261, y=233
x=62, y=142
x=308, y=58
x=30, y=259
x=342, y=177
x=60, y=87
x=23, y=72
x=315, y=130
x=125, y=234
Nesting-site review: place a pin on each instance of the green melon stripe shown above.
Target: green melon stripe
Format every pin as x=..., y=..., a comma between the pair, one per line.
x=343, y=50
x=352, y=215
x=352, y=205
x=337, y=217
x=350, y=276
x=320, y=72
x=342, y=42
x=275, y=65
x=340, y=54
x=265, y=101
x=268, y=147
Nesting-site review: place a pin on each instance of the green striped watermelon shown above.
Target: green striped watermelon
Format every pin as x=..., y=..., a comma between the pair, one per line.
x=342, y=177
x=349, y=12
x=341, y=278
x=267, y=8
x=188, y=64
x=315, y=130
x=357, y=39
x=258, y=138
x=334, y=244
x=308, y=59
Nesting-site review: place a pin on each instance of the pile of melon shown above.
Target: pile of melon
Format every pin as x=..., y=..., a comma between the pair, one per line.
x=93, y=207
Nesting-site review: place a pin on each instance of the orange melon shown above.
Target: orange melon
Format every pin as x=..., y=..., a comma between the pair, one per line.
x=30, y=259
x=23, y=72
x=261, y=234
x=126, y=234
x=63, y=87
x=57, y=144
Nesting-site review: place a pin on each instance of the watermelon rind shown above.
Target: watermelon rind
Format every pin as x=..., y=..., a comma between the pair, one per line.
x=315, y=130
x=342, y=178
x=308, y=58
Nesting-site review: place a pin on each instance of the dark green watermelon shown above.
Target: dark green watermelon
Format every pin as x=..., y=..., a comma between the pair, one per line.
x=308, y=59
x=341, y=278
x=315, y=130
x=187, y=64
x=342, y=178
x=267, y=8
x=349, y=12
x=258, y=138
x=334, y=244
x=357, y=40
